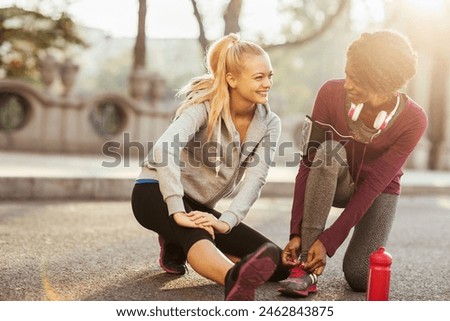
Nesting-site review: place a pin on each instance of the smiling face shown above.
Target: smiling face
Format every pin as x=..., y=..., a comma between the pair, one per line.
x=359, y=94
x=378, y=65
x=354, y=88
x=251, y=85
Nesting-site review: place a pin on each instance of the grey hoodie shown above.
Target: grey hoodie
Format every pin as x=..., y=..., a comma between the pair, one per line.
x=185, y=163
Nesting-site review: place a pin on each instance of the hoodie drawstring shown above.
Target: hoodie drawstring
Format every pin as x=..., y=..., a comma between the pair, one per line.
x=361, y=164
x=219, y=144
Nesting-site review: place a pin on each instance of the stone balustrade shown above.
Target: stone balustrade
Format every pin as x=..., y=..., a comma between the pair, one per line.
x=32, y=119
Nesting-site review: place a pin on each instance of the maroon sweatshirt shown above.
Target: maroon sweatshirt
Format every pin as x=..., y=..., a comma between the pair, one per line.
x=380, y=170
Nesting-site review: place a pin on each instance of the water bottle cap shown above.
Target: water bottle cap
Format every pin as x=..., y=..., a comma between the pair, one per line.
x=381, y=257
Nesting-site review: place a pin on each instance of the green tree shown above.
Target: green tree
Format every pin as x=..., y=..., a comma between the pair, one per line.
x=26, y=35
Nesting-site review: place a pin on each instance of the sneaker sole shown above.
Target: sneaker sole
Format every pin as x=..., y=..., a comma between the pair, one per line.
x=254, y=273
x=169, y=270
x=289, y=291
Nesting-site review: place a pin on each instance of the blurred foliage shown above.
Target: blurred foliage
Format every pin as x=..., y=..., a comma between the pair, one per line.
x=26, y=35
x=303, y=20
x=306, y=20
x=300, y=71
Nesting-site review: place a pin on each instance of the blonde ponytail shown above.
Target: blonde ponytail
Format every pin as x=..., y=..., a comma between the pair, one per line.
x=223, y=56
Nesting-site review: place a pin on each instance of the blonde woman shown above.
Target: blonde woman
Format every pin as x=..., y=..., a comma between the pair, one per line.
x=223, y=129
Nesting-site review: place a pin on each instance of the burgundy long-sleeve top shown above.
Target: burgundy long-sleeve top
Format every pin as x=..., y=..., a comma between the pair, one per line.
x=379, y=167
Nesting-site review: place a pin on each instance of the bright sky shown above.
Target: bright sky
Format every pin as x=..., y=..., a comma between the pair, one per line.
x=175, y=19
x=119, y=17
x=165, y=18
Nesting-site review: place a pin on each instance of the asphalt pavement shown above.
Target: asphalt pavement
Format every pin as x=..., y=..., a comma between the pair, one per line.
x=67, y=232
x=96, y=251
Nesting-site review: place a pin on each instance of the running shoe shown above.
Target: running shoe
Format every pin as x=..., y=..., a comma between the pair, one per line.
x=299, y=283
x=251, y=272
x=171, y=257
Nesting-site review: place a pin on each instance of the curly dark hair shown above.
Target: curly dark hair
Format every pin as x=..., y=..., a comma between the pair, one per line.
x=382, y=61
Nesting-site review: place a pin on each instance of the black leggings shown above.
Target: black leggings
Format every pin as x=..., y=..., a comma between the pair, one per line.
x=151, y=212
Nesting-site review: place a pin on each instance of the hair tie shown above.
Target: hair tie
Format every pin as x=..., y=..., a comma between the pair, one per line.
x=235, y=39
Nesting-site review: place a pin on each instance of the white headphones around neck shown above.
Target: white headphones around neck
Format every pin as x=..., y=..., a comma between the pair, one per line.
x=382, y=118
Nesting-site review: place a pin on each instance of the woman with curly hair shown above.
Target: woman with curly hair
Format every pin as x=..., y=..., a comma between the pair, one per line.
x=364, y=129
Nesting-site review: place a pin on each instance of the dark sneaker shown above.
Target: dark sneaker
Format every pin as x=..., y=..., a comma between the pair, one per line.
x=251, y=272
x=299, y=283
x=171, y=257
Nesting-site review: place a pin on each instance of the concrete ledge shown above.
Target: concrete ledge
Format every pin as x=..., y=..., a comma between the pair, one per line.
x=50, y=188
x=33, y=176
x=86, y=188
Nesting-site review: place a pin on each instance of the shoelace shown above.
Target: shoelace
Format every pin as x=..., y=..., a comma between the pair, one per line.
x=297, y=272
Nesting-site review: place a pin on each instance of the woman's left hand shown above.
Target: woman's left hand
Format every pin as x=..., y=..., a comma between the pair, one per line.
x=317, y=258
x=182, y=219
x=208, y=220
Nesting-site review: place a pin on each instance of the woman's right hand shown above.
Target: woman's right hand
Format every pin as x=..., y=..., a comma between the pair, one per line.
x=289, y=256
x=182, y=219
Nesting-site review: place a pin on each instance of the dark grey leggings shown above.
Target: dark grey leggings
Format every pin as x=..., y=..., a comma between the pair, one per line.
x=330, y=184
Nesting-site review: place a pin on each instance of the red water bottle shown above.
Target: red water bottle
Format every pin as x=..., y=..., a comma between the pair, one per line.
x=379, y=275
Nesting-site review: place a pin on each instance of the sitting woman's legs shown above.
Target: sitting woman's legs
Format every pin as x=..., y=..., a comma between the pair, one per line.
x=241, y=241
x=208, y=261
x=151, y=212
x=205, y=255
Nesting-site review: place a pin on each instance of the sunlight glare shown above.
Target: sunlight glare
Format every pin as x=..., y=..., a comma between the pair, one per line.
x=428, y=5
